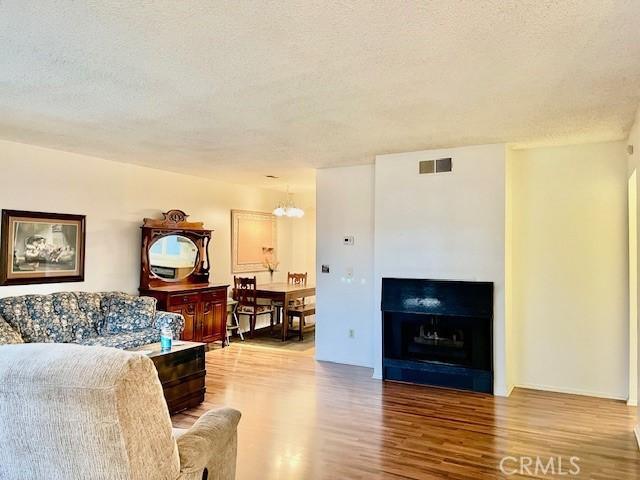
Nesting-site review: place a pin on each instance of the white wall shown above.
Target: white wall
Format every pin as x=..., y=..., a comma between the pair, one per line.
x=632, y=216
x=115, y=197
x=345, y=207
x=510, y=333
x=303, y=237
x=447, y=226
x=634, y=164
x=546, y=225
x=407, y=225
x=570, y=276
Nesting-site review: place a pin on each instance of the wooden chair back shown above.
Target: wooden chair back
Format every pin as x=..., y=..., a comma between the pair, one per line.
x=297, y=278
x=245, y=291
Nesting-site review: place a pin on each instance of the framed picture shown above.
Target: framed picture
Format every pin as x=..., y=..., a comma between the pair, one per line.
x=253, y=241
x=37, y=247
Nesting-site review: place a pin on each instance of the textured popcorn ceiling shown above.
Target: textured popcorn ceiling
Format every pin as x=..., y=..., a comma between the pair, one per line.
x=236, y=90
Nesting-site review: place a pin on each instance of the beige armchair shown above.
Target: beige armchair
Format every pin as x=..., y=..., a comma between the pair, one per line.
x=72, y=412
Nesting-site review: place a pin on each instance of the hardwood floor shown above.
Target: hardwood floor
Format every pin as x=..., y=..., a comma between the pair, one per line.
x=304, y=420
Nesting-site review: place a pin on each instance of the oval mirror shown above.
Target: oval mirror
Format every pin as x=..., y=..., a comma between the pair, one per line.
x=173, y=257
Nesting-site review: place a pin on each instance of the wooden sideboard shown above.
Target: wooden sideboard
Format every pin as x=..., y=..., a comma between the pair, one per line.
x=174, y=269
x=204, y=308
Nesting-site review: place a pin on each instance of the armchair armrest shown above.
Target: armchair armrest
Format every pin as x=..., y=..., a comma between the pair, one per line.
x=174, y=321
x=210, y=443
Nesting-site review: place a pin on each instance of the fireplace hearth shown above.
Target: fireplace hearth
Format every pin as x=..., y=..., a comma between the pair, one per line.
x=438, y=332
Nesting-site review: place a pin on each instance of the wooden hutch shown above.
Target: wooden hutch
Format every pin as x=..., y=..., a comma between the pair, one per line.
x=175, y=270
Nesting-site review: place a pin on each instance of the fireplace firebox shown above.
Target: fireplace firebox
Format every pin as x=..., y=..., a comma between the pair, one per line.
x=438, y=332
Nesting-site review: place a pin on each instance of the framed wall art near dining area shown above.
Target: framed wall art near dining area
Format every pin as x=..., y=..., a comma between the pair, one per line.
x=38, y=247
x=253, y=241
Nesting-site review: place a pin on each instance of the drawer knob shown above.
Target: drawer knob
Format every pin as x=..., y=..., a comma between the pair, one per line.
x=185, y=299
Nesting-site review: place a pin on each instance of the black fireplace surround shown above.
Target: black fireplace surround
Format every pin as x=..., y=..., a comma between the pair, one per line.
x=438, y=332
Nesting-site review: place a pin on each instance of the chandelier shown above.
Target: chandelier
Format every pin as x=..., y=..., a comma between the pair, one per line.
x=288, y=208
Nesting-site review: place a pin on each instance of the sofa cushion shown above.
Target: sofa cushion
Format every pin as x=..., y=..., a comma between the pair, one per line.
x=123, y=340
x=44, y=324
x=91, y=305
x=14, y=311
x=259, y=309
x=126, y=313
x=34, y=318
x=66, y=306
x=8, y=334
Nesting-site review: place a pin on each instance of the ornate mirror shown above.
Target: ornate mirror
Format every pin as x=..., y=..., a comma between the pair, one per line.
x=174, y=251
x=173, y=257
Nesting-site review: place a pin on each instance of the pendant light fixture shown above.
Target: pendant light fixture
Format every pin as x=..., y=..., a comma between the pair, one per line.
x=288, y=208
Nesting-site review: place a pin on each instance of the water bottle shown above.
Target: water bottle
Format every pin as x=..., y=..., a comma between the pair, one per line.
x=166, y=337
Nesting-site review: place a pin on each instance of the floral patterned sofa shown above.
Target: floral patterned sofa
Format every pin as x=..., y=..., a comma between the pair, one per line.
x=109, y=319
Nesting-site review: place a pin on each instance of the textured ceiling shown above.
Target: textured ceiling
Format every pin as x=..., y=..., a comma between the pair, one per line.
x=236, y=90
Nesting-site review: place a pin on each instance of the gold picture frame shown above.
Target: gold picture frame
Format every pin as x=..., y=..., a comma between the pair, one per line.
x=251, y=233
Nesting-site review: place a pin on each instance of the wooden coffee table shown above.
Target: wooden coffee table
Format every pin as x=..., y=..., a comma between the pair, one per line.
x=181, y=371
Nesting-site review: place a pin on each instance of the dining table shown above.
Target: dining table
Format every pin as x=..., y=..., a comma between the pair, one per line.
x=283, y=292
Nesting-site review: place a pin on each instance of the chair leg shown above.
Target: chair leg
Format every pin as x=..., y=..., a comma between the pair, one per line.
x=271, y=323
x=252, y=325
x=237, y=320
x=301, y=325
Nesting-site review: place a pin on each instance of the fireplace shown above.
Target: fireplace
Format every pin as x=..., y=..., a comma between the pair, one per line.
x=438, y=332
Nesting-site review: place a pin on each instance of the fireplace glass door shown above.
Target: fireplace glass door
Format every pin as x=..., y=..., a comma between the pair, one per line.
x=460, y=341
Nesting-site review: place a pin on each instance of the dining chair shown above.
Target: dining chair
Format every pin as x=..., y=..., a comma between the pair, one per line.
x=245, y=294
x=233, y=323
x=301, y=312
x=297, y=278
x=292, y=279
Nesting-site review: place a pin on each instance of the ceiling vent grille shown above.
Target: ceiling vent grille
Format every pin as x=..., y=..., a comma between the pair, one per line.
x=440, y=165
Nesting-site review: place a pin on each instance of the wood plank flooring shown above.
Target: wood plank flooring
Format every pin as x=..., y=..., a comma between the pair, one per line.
x=305, y=420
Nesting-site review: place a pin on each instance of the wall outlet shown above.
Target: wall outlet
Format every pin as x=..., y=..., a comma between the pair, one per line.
x=347, y=240
x=325, y=268
x=352, y=333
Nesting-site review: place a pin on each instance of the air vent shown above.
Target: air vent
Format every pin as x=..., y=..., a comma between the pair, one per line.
x=427, y=166
x=441, y=165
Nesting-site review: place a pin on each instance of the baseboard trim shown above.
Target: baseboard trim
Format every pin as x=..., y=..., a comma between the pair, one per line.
x=499, y=391
x=637, y=432
x=351, y=363
x=570, y=391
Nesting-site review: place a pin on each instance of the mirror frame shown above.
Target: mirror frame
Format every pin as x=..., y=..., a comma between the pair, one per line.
x=175, y=223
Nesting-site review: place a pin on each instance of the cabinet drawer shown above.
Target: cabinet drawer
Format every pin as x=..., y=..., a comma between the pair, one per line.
x=192, y=385
x=214, y=295
x=184, y=298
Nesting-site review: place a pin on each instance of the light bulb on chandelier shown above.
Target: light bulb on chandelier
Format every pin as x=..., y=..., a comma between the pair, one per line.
x=288, y=209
